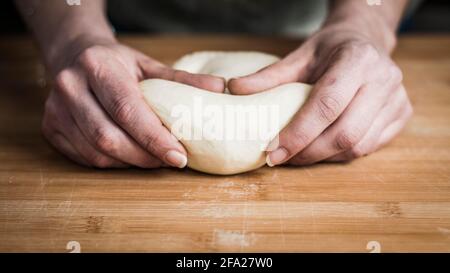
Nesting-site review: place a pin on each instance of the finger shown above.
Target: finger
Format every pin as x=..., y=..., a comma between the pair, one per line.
x=328, y=99
x=351, y=126
x=292, y=68
x=97, y=127
x=370, y=144
x=60, y=142
x=395, y=128
x=55, y=138
x=120, y=95
x=67, y=127
x=89, y=153
x=390, y=121
x=153, y=69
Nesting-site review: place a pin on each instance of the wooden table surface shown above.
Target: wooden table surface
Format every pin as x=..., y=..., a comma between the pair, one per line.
x=398, y=197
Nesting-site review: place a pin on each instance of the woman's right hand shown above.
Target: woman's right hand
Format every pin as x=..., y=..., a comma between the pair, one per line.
x=96, y=114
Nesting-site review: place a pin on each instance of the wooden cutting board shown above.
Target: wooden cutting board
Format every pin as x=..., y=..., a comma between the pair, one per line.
x=397, y=199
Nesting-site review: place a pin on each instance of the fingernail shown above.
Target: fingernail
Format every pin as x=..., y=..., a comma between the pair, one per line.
x=176, y=159
x=276, y=157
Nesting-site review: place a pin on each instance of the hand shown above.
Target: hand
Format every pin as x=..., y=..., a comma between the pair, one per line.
x=357, y=105
x=97, y=116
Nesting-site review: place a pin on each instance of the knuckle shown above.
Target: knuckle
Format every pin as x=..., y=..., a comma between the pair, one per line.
x=347, y=139
x=329, y=108
x=342, y=50
x=363, y=52
x=300, y=139
x=62, y=81
x=357, y=152
x=177, y=75
x=155, y=70
x=368, y=52
x=151, y=142
x=122, y=110
x=395, y=74
x=105, y=141
x=99, y=161
x=155, y=143
x=89, y=56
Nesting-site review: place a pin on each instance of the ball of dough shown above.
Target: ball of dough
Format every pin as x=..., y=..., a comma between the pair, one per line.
x=219, y=140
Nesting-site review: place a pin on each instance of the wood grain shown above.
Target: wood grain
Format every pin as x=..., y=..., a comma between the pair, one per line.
x=399, y=196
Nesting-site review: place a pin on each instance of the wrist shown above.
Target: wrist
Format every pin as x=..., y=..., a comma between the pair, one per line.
x=71, y=39
x=366, y=24
x=64, y=54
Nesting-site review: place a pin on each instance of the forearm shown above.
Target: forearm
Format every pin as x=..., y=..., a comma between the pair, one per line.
x=59, y=27
x=377, y=22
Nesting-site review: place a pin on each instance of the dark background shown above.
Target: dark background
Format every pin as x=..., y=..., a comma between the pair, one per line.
x=431, y=16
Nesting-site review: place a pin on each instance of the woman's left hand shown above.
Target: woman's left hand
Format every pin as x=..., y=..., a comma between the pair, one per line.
x=357, y=105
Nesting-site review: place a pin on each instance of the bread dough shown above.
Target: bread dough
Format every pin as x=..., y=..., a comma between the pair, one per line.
x=224, y=64
x=218, y=130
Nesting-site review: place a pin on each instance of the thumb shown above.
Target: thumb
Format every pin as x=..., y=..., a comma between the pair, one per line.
x=290, y=69
x=154, y=69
